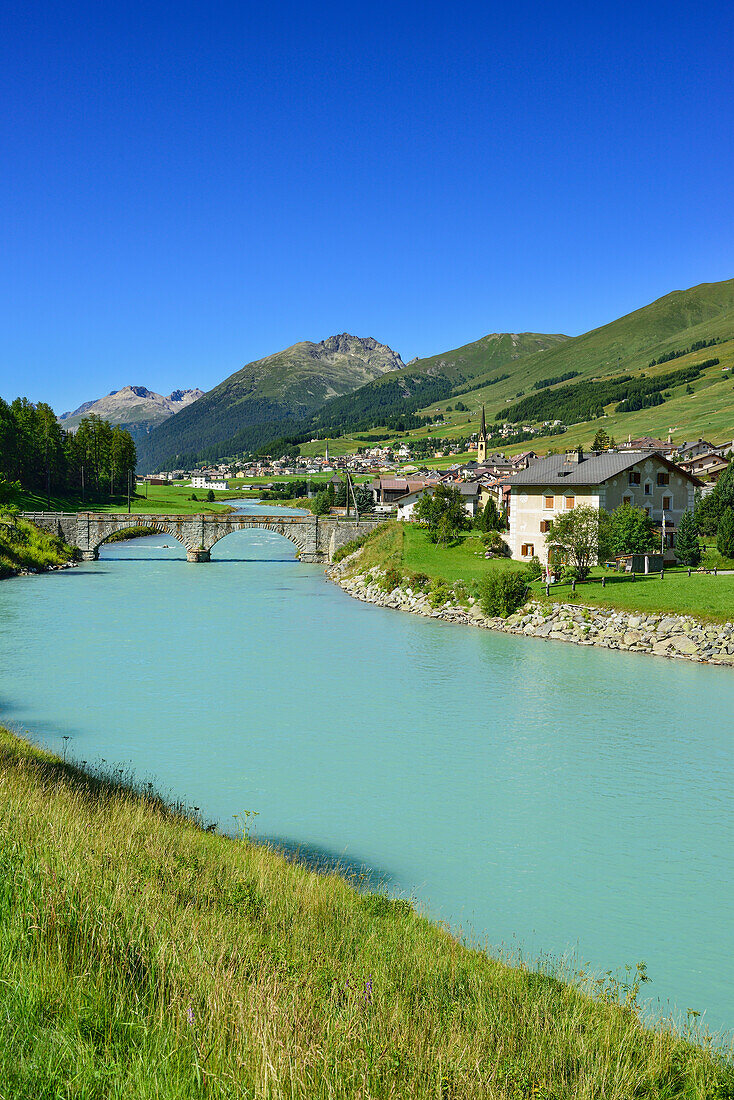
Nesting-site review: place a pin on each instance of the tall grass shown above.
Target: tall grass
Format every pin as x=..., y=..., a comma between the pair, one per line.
x=144, y=957
x=23, y=546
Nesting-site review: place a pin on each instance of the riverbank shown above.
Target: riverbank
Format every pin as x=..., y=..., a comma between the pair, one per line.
x=661, y=635
x=26, y=549
x=143, y=953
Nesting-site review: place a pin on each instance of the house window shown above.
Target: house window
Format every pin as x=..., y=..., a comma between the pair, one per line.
x=627, y=499
x=634, y=478
x=648, y=489
x=527, y=550
x=667, y=503
x=570, y=502
x=548, y=501
x=544, y=526
x=663, y=478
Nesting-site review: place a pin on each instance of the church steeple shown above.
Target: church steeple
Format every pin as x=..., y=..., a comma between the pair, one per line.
x=326, y=456
x=482, y=441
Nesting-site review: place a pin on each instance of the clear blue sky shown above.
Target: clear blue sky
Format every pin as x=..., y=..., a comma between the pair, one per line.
x=188, y=187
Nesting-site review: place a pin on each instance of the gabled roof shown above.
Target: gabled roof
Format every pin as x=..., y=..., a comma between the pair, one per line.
x=593, y=468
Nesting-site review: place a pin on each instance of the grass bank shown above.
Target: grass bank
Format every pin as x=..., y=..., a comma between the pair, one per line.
x=407, y=548
x=23, y=546
x=142, y=956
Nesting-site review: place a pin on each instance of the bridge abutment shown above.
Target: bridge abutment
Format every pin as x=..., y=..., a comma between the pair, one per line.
x=90, y=555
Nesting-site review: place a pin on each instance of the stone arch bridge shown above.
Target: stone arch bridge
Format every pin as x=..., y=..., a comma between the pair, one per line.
x=316, y=537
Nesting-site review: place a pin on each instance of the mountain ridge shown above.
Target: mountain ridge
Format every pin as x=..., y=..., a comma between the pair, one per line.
x=135, y=408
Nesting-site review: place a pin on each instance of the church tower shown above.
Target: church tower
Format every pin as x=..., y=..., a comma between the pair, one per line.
x=326, y=456
x=482, y=441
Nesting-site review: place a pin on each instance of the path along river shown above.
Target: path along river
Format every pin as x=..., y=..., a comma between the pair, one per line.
x=543, y=797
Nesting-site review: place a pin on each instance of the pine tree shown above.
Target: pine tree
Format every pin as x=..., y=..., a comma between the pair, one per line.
x=687, y=548
x=725, y=534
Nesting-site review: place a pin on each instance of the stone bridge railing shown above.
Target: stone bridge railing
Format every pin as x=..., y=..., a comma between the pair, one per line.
x=316, y=537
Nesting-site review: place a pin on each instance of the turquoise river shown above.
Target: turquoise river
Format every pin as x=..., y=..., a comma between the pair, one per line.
x=546, y=799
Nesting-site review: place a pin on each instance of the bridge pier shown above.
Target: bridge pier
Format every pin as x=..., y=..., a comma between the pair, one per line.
x=198, y=555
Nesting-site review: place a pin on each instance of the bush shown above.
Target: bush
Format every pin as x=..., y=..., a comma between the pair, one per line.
x=534, y=570
x=495, y=545
x=392, y=579
x=418, y=581
x=502, y=592
x=725, y=534
x=321, y=504
x=439, y=592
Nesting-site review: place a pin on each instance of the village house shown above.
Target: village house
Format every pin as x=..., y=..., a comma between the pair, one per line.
x=387, y=490
x=690, y=450
x=201, y=481
x=470, y=494
x=556, y=484
x=709, y=465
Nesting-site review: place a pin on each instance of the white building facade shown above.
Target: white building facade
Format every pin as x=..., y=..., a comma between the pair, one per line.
x=558, y=483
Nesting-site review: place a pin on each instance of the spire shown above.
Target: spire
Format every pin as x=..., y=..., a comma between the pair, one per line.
x=326, y=456
x=483, y=428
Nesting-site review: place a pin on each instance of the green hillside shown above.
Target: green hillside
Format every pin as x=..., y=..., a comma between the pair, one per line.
x=488, y=355
x=622, y=347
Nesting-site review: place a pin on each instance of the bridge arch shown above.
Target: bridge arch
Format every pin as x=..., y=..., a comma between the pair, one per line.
x=143, y=530
x=293, y=534
x=103, y=529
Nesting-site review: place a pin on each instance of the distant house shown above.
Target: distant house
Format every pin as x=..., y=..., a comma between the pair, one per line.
x=470, y=493
x=201, y=481
x=497, y=489
x=649, y=443
x=690, y=450
x=558, y=483
x=709, y=465
x=386, y=490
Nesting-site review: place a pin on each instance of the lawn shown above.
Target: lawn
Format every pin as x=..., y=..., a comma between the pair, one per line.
x=143, y=956
x=464, y=560
x=704, y=596
x=406, y=547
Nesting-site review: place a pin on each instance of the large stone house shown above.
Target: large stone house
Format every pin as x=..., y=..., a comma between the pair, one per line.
x=602, y=480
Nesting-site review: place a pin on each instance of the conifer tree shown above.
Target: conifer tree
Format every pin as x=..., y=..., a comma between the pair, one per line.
x=725, y=534
x=687, y=548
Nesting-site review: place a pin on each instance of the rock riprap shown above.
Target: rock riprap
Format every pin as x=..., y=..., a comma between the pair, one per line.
x=673, y=636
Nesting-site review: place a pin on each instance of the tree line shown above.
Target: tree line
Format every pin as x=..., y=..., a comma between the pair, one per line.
x=586, y=400
x=699, y=345
x=39, y=456
x=544, y=382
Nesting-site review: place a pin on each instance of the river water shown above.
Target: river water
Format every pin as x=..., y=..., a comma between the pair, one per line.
x=544, y=798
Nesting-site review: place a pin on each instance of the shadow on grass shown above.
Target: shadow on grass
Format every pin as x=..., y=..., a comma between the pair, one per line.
x=325, y=862
x=98, y=784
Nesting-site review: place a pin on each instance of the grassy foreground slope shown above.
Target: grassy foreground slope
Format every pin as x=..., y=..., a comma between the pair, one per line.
x=142, y=957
